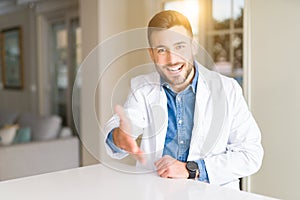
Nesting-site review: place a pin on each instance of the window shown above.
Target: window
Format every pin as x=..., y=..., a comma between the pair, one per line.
x=218, y=26
x=225, y=36
x=65, y=48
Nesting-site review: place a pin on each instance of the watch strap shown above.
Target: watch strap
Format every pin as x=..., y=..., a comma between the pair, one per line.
x=192, y=174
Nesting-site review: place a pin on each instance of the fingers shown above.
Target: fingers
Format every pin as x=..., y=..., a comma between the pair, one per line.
x=139, y=156
x=162, y=167
x=131, y=146
x=164, y=162
x=127, y=143
x=136, y=152
x=122, y=136
x=164, y=173
x=168, y=167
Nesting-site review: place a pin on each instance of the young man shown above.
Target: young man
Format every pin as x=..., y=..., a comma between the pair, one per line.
x=195, y=122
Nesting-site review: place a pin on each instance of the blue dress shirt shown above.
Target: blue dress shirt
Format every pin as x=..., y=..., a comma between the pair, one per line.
x=181, y=108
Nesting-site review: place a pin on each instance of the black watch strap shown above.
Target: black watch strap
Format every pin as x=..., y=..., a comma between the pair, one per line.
x=192, y=175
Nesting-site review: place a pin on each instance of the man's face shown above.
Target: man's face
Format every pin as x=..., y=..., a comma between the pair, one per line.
x=172, y=54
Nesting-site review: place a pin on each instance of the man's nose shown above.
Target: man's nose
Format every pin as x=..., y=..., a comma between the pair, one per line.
x=172, y=56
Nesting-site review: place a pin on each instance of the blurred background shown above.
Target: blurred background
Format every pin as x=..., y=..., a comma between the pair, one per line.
x=44, y=42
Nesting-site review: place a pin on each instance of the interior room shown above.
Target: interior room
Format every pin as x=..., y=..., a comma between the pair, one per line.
x=60, y=79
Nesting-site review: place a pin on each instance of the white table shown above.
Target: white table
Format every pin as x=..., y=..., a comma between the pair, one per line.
x=101, y=182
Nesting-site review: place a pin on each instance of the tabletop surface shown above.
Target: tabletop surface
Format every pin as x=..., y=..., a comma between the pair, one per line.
x=101, y=182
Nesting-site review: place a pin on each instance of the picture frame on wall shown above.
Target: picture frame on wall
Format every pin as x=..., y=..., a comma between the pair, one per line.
x=12, y=58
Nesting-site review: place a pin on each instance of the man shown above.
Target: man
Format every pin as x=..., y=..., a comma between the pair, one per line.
x=194, y=122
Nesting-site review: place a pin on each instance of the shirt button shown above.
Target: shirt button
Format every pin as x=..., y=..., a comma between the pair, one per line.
x=178, y=98
x=180, y=122
x=181, y=142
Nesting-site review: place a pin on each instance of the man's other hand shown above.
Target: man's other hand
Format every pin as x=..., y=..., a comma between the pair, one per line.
x=168, y=167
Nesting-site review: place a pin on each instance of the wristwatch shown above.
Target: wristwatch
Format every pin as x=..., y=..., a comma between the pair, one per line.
x=193, y=169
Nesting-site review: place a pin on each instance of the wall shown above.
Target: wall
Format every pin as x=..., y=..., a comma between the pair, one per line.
x=22, y=100
x=89, y=20
x=102, y=20
x=275, y=94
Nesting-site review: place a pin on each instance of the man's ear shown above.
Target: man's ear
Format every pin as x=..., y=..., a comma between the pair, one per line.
x=150, y=51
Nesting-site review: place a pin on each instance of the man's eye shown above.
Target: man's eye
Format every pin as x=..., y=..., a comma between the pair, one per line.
x=161, y=50
x=180, y=47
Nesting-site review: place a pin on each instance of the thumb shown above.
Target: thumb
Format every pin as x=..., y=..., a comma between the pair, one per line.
x=119, y=110
x=124, y=121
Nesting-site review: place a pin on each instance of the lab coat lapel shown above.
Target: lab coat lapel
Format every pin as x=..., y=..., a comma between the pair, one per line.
x=217, y=110
x=161, y=123
x=201, y=117
x=158, y=120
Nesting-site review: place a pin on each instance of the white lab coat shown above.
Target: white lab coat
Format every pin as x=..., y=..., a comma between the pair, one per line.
x=225, y=134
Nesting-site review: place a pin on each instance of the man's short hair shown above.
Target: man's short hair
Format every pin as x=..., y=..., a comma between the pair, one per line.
x=167, y=19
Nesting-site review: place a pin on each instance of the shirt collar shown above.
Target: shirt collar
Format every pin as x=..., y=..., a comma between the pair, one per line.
x=193, y=85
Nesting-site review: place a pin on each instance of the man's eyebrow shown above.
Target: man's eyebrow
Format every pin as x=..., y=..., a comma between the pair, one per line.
x=162, y=46
x=179, y=43
x=159, y=46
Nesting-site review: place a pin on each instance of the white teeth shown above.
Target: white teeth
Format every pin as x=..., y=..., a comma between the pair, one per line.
x=175, y=69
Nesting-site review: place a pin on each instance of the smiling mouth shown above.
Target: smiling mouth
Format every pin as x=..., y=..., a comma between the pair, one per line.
x=176, y=68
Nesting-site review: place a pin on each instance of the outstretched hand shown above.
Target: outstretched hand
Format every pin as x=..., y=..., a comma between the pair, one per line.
x=122, y=136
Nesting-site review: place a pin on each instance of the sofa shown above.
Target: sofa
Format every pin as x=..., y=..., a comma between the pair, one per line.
x=32, y=145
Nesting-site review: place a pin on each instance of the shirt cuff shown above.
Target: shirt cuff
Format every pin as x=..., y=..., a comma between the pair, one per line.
x=202, y=171
x=111, y=144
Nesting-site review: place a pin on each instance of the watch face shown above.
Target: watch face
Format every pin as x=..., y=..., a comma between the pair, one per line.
x=192, y=166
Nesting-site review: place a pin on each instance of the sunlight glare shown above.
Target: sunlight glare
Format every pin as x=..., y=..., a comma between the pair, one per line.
x=189, y=8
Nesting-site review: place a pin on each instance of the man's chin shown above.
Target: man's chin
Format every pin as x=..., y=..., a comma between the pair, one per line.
x=177, y=82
